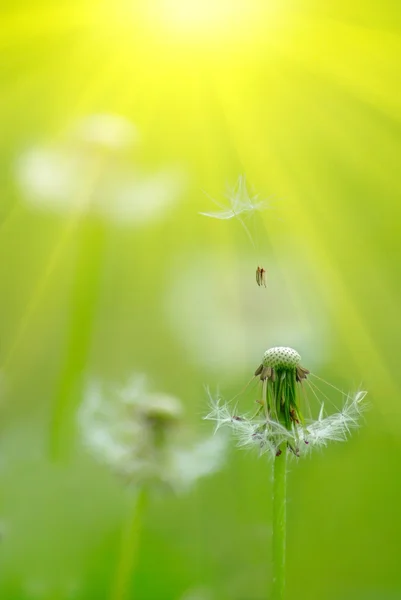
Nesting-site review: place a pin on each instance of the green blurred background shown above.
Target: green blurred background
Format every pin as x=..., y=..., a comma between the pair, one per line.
x=116, y=116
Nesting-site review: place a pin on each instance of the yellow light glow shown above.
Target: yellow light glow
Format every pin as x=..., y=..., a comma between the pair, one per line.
x=211, y=18
x=203, y=13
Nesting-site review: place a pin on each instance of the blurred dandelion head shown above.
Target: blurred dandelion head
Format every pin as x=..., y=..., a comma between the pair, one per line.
x=91, y=169
x=106, y=131
x=138, y=434
x=278, y=419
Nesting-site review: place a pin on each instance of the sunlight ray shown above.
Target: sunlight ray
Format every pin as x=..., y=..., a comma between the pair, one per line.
x=39, y=291
x=283, y=169
x=363, y=59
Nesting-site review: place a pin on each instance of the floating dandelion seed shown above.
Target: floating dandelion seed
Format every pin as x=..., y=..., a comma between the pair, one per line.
x=279, y=419
x=261, y=276
x=241, y=204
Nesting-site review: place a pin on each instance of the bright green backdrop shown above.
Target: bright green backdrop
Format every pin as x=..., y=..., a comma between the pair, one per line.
x=304, y=99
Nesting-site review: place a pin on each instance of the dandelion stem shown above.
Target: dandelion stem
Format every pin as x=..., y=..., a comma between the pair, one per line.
x=279, y=522
x=129, y=548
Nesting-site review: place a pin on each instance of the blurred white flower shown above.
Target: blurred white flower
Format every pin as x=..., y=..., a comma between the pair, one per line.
x=91, y=170
x=107, y=131
x=136, y=433
x=278, y=419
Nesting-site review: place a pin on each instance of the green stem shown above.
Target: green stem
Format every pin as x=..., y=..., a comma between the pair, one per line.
x=129, y=548
x=279, y=523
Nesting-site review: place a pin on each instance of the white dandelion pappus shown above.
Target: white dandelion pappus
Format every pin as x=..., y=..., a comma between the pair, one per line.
x=136, y=433
x=279, y=420
x=240, y=202
x=241, y=205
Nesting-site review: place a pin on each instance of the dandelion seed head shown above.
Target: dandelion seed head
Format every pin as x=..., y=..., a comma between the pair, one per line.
x=278, y=422
x=281, y=357
x=137, y=434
